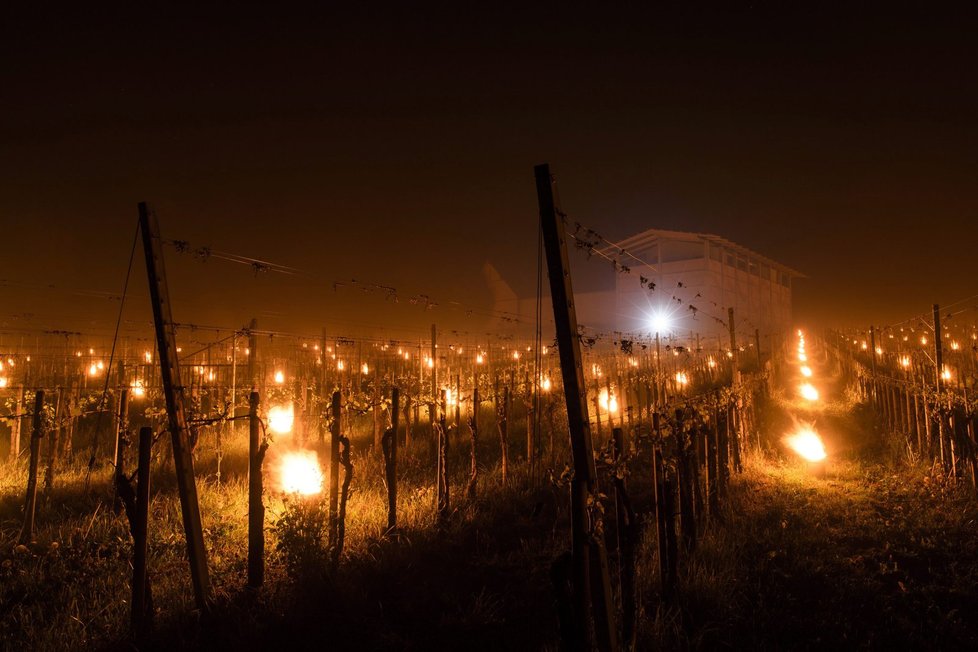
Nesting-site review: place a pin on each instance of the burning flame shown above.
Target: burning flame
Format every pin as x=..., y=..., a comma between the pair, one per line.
x=281, y=418
x=807, y=443
x=137, y=388
x=808, y=392
x=279, y=377
x=806, y=371
x=300, y=473
x=682, y=378
x=607, y=404
x=545, y=384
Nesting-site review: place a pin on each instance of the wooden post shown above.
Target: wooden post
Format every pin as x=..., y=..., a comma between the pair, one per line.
x=334, y=468
x=173, y=391
x=591, y=598
x=122, y=428
x=256, y=508
x=37, y=431
x=443, y=490
x=16, y=425
x=662, y=514
x=142, y=612
x=389, y=445
x=503, y=425
x=938, y=349
x=474, y=428
x=53, y=437
x=625, y=527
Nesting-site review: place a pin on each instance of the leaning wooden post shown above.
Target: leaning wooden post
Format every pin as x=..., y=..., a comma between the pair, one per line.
x=334, y=468
x=142, y=612
x=256, y=508
x=37, y=431
x=173, y=391
x=587, y=545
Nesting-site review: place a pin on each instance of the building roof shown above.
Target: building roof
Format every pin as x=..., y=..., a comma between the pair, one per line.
x=650, y=237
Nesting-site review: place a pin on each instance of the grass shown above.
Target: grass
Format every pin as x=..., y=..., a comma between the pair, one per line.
x=872, y=552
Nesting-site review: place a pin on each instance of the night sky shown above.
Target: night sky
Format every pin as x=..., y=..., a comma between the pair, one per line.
x=396, y=146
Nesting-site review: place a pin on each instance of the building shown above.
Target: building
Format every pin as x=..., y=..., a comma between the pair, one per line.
x=677, y=283
x=685, y=282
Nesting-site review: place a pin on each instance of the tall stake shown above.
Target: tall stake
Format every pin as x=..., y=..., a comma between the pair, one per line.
x=37, y=431
x=142, y=612
x=256, y=508
x=938, y=348
x=173, y=390
x=584, y=485
x=334, y=468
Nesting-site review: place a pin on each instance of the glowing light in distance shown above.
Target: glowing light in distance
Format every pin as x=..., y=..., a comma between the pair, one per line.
x=545, y=384
x=430, y=362
x=923, y=340
x=340, y=365
x=879, y=350
x=3, y=381
x=807, y=443
x=682, y=378
x=806, y=371
x=955, y=346
x=864, y=346
x=281, y=418
x=946, y=374
x=516, y=355
x=93, y=370
x=808, y=392
x=148, y=356
x=300, y=473
x=365, y=369
x=802, y=357
x=279, y=377
x=905, y=361
x=711, y=363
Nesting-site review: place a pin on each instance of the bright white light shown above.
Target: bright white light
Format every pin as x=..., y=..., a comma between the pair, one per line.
x=300, y=473
x=808, y=392
x=807, y=443
x=660, y=321
x=806, y=371
x=279, y=377
x=281, y=418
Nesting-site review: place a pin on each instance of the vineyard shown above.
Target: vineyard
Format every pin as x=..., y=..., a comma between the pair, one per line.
x=243, y=488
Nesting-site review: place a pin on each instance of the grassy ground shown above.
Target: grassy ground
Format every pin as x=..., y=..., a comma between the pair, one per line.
x=870, y=550
x=867, y=552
